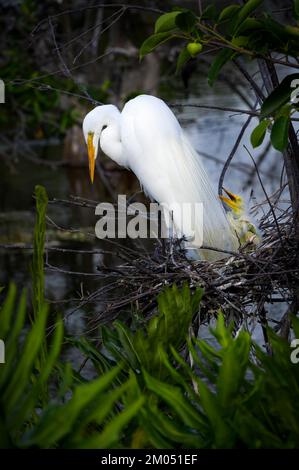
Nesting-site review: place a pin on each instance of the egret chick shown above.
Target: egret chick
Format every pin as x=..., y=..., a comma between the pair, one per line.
x=240, y=221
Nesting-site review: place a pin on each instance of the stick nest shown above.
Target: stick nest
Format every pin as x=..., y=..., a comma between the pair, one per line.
x=242, y=284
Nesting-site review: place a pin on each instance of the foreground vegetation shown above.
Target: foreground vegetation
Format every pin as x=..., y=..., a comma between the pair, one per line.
x=158, y=387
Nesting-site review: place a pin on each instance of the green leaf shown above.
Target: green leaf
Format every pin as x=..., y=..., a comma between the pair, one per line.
x=279, y=133
x=240, y=41
x=183, y=58
x=228, y=12
x=174, y=397
x=154, y=41
x=178, y=304
x=11, y=346
x=179, y=376
x=210, y=354
x=166, y=22
x=221, y=332
x=97, y=414
x=20, y=379
x=295, y=324
x=84, y=345
x=250, y=24
x=223, y=433
x=186, y=21
x=53, y=353
x=258, y=134
x=66, y=379
x=276, y=30
x=279, y=96
x=296, y=8
x=6, y=311
x=233, y=369
x=292, y=31
x=127, y=342
x=201, y=363
x=111, y=342
x=57, y=421
x=220, y=60
x=112, y=431
x=172, y=429
x=27, y=406
x=38, y=252
x=170, y=327
x=245, y=11
x=209, y=13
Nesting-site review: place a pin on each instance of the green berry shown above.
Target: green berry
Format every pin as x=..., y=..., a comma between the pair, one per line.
x=194, y=48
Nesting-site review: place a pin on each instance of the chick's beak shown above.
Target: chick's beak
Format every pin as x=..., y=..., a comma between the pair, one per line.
x=232, y=196
x=227, y=201
x=231, y=200
x=91, y=155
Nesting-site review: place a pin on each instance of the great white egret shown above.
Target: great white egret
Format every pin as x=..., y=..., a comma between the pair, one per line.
x=147, y=138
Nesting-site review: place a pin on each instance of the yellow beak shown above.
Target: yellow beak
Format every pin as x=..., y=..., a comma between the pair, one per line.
x=91, y=155
x=229, y=202
x=232, y=200
x=232, y=196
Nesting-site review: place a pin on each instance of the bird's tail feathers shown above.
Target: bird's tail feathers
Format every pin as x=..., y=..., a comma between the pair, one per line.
x=212, y=227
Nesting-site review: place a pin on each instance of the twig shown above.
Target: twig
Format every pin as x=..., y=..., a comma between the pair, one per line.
x=218, y=108
x=232, y=153
x=266, y=195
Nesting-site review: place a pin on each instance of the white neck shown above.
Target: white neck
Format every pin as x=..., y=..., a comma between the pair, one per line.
x=110, y=140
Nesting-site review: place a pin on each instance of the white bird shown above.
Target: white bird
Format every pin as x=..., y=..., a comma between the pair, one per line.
x=147, y=138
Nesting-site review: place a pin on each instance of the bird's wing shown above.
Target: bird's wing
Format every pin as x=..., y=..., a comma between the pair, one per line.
x=148, y=130
x=170, y=170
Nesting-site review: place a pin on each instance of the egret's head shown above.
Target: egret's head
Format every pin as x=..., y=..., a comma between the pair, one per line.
x=233, y=201
x=93, y=125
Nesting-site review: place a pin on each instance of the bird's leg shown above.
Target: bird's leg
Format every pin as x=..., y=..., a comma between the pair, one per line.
x=163, y=247
x=171, y=241
x=171, y=250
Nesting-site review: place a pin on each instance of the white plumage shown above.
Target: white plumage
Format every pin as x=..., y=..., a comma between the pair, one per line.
x=147, y=138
